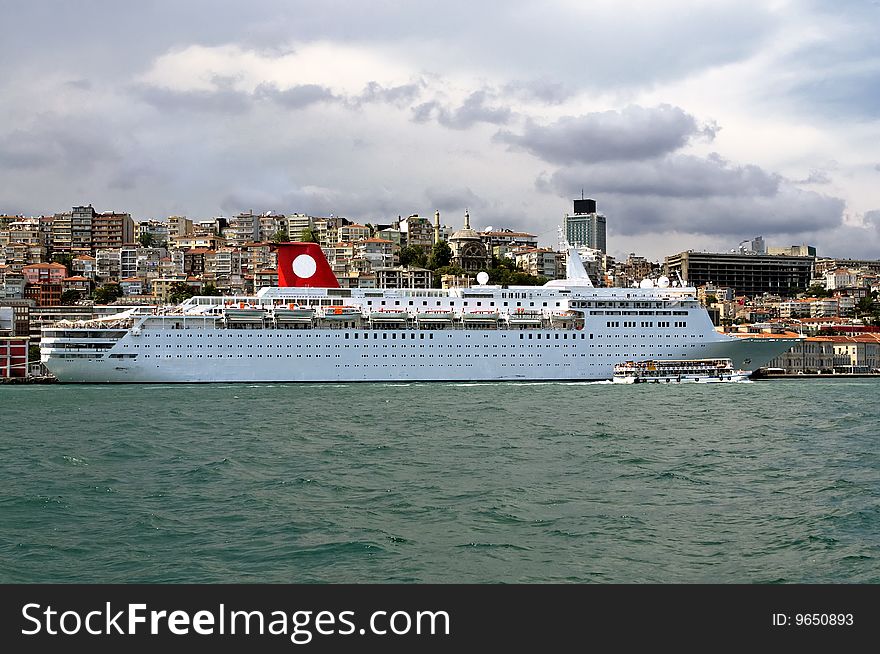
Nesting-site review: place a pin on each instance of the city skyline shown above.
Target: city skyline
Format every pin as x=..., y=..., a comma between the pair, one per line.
x=694, y=125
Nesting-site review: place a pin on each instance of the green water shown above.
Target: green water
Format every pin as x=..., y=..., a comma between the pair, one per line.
x=448, y=482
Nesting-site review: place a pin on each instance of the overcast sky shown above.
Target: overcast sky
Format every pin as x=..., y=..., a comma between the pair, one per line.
x=693, y=124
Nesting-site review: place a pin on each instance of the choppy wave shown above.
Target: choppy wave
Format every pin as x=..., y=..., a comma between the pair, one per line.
x=444, y=482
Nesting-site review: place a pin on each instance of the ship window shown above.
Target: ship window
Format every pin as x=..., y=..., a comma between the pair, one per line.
x=384, y=336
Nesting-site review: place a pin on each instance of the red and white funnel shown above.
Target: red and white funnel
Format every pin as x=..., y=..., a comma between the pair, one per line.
x=304, y=265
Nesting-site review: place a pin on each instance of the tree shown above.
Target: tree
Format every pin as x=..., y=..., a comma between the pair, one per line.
x=281, y=236
x=817, y=291
x=64, y=259
x=441, y=255
x=504, y=262
x=69, y=297
x=108, y=293
x=147, y=240
x=210, y=289
x=180, y=291
x=309, y=235
x=411, y=255
x=508, y=275
x=33, y=352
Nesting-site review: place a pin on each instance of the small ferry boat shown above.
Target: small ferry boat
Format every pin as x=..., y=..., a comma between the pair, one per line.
x=700, y=371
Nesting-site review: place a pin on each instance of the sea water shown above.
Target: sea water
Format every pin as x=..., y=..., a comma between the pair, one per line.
x=765, y=482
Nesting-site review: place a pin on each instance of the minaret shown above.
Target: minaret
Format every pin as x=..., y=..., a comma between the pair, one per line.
x=467, y=219
x=436, y=227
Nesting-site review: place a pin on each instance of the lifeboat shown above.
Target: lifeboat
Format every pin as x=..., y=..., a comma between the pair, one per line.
x=525, y=317
x=480, y=316
x=244, y=314
x=342, y=313
x=389, y=315
x=294, y=314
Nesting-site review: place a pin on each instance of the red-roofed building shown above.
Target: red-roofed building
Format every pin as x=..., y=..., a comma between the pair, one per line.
x=132, y=286
x=77, y=283
x=378, y=251
x=53, y=273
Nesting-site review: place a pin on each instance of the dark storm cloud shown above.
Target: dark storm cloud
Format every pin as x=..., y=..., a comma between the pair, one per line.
x=816, y=176
x=513, y=38
x=422, y=113
x=447, y=199
x=215, y=101
x=675, y=176
x=22, y=150
x=697, y=195
x=224, y=99
x=399, y=95
x=57, y=141
x=543, y=90
x=856, y=241
x=473, y=110
x=132, y=172
x=632, y=133
x=295, y=97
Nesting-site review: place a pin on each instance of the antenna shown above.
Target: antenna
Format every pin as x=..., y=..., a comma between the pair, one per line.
x=582, y=192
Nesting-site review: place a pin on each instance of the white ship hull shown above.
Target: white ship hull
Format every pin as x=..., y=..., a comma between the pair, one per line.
x=333, y=355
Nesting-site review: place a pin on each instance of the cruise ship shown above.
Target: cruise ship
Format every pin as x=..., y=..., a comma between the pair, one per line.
x=308, y=329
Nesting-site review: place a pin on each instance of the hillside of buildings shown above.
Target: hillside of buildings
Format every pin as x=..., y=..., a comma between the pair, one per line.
x=84, y=262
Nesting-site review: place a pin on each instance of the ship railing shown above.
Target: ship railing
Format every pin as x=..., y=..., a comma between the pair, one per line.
x=125, y=323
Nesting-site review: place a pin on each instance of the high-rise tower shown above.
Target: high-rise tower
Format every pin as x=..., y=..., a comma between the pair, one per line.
x=585, y=226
